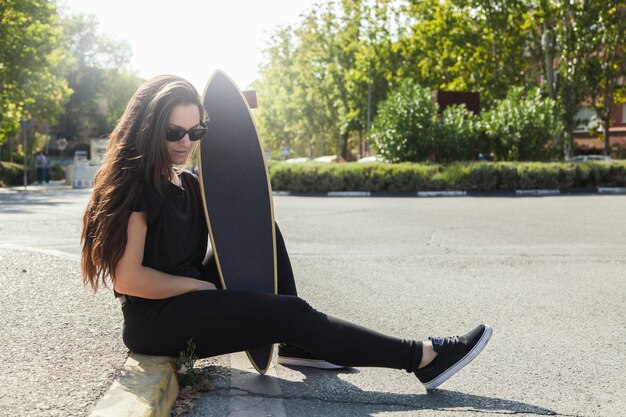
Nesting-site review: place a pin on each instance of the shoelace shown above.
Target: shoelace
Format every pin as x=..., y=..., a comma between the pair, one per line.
x=444, y=341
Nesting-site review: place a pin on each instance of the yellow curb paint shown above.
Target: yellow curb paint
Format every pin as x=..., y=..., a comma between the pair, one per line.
x=146, y=387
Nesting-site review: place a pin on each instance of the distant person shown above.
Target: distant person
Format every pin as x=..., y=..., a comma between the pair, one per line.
x=41, y=162
x=47, y=169
x=145, y=232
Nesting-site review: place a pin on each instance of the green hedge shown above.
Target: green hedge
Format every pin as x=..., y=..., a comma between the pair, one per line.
x=471, y=176
x=11, y=174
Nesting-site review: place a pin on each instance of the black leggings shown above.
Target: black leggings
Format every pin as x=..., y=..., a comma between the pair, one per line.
x=229, y=321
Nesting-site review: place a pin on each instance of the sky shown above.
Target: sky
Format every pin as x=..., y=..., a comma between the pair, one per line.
x=193, y=38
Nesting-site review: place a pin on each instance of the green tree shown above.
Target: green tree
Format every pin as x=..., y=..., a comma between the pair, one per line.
x=279, y=116
x=33, y=61
x=605, y=21
x=317, y=74
x=342, y=59
x=99, y=77
x=477, y=45
x=582, y=41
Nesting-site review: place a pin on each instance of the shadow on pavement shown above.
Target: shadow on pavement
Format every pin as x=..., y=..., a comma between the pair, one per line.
x=323, y=393
x=21, y=202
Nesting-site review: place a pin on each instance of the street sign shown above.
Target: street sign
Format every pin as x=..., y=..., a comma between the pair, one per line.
x=61, y=144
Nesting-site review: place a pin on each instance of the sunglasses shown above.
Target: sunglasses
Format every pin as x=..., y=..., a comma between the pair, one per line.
x=176, y=133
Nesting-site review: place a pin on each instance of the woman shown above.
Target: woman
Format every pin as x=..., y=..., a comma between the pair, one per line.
x=145, y=232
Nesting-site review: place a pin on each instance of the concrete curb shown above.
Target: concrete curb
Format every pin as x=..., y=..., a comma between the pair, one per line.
x=146, y=387
x=612, y=190
x=422, y=194
x=459, y=193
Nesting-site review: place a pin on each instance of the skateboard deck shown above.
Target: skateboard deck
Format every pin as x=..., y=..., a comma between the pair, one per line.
x=237, y=197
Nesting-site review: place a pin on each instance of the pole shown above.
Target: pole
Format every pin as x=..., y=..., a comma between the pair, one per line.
x=369, y=116
x=24, y=125
x=547, y=45
x=369, y=106
x=25, y=161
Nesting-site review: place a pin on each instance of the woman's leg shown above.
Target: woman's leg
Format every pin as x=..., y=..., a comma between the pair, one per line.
x=288, y=354
x=222, y=322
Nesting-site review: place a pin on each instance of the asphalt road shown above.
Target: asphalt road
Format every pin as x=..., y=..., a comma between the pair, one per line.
x=60, y=346
x=546, y=273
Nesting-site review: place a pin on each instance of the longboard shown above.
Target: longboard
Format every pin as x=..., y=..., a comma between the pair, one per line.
x=237, y=197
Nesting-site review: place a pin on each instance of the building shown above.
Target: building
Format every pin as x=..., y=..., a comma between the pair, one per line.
x=586, y=144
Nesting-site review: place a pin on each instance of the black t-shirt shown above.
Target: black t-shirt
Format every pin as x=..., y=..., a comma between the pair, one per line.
x=176, y=241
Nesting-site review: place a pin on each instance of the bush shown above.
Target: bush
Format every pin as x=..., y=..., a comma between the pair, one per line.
x=468, y=176
x=522, y=128
x=519, y=128
x=534, y=175
x=318, y=177
x=405, y=127
x=11, y=174
x=57, y=172
x=460, y=136
x=480, y=176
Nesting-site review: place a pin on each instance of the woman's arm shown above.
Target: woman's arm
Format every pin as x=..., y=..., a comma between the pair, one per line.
x=132, y=278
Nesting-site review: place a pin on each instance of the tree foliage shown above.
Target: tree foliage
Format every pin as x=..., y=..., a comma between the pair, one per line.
x=603, y=66
x=460, y=136
x=406, y=126
x=313, y=85
x=474, y=45
x=326, y=77
x=321, y=75
x=522, y=127
x=33, y=62
x=99, y=77
x=60, y=73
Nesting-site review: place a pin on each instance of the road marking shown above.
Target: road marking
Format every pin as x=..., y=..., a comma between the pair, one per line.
x=251, y=394
x=612, y=190
x=538, y=192
x=349, y=194
x=441, y=193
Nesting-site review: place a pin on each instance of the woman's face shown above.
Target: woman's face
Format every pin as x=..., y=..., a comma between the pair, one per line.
x=185, y=116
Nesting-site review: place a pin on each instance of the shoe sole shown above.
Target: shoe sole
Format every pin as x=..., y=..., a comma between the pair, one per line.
x=470, y=356
x=311, y=363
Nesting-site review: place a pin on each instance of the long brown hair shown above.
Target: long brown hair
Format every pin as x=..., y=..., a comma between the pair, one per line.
x=136, y=156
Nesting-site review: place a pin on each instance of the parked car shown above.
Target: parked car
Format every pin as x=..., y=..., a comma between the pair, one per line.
x=374, y=158
x=329, y=159
x=583, y=158
x=298, y=160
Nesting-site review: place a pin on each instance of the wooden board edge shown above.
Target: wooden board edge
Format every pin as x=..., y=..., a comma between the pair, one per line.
x=204, y=204
x=256, y=366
